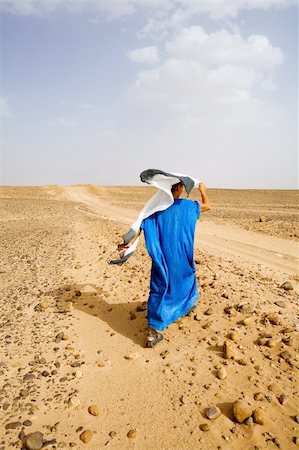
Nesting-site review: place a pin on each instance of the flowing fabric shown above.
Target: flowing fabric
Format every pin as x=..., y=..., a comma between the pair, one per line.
x=169, y=238
x=162, y=200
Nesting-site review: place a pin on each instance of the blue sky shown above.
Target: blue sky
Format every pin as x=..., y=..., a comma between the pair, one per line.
x=96, y=91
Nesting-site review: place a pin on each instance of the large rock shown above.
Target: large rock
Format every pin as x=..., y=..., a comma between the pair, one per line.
x=228, y=350
x=93, y=410
x=34, y=441
x=12, y=425
x=74, y=402
x=287, y=286
x=132, y=434
x=213, y=412
x=273, y=318
x=221, y=373
x=241, y=410
x=86, y=436
x=259, y=416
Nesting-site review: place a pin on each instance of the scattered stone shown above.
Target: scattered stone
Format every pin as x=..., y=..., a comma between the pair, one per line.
x=287, y=286
x=164, y=354
x=262, y=341
x=22, y=435
x=273, y=318
x=262, y=219
x=29, y=376
x=12, y=425
x=241, y=410
x=44, y=305
x=241, y=361
x=259, y=416
x=102, y=363
x=69, y=347
x=249, y=421
x=273, y=342
x=74, y=402
x=132, y=315
x=112, y=434
x=296, y=440
x=51, y=442
x=78, y=373
x=245, y=308
x=141, y=307
x=27, y=423
x=297, y=418
x=248, y=321
x=282, y=399
x=209, y=312
x=213, y=412
x=288, y=340
x=59, y=337
x=259, y=397
x=132, y=434
x=205, y=427
x=280, y=303
x=24, y=393
x=285, y=355
x=222, y=373
x=34, y=441
x=86, y=436
x=78, y=293
x=132, y=356
x=228, y=350
x=93, y=410
x=234, y=336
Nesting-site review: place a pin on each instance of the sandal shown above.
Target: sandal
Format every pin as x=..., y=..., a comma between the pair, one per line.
x=155, y=338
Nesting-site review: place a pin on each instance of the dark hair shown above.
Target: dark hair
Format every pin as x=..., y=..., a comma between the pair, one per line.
x=175, y=186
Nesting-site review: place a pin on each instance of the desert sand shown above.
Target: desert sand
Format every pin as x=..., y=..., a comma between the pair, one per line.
x=73, y=366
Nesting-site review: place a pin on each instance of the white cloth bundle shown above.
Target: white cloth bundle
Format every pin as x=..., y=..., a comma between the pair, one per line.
x=159, y=202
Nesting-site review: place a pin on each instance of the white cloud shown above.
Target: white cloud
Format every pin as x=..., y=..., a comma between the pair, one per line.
x=63, y=123
x=5, y=109
x=167, y=13
x=224, y=47
x=112, y=9
x=188, y=86
x=148, y=55
x=205, y=70
x=176, y=13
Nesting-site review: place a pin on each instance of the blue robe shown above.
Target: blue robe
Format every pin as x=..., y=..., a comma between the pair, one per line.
x=169, y=238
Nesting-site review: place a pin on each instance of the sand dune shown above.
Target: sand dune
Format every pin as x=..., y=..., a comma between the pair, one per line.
x=72, y=338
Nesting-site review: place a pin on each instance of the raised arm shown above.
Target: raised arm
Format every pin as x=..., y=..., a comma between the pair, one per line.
x=205, y=203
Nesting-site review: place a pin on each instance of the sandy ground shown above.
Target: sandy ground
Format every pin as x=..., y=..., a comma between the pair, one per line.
x=71, y=336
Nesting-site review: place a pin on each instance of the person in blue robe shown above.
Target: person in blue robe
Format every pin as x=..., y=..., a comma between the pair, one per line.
x=169, y=239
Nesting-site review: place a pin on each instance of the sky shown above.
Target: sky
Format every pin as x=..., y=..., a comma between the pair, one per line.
x=96, y=91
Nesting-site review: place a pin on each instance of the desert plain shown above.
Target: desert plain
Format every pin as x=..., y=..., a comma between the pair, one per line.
x=74, y=370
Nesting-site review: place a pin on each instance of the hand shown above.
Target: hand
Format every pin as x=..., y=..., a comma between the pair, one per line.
x=122, y=248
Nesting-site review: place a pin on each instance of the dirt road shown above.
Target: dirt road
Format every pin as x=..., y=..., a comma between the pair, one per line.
x=226, y=240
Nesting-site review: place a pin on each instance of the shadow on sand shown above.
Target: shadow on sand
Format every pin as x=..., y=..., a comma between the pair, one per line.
x=90, y=299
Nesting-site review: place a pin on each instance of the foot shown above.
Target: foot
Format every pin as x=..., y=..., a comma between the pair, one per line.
x=153, y=338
